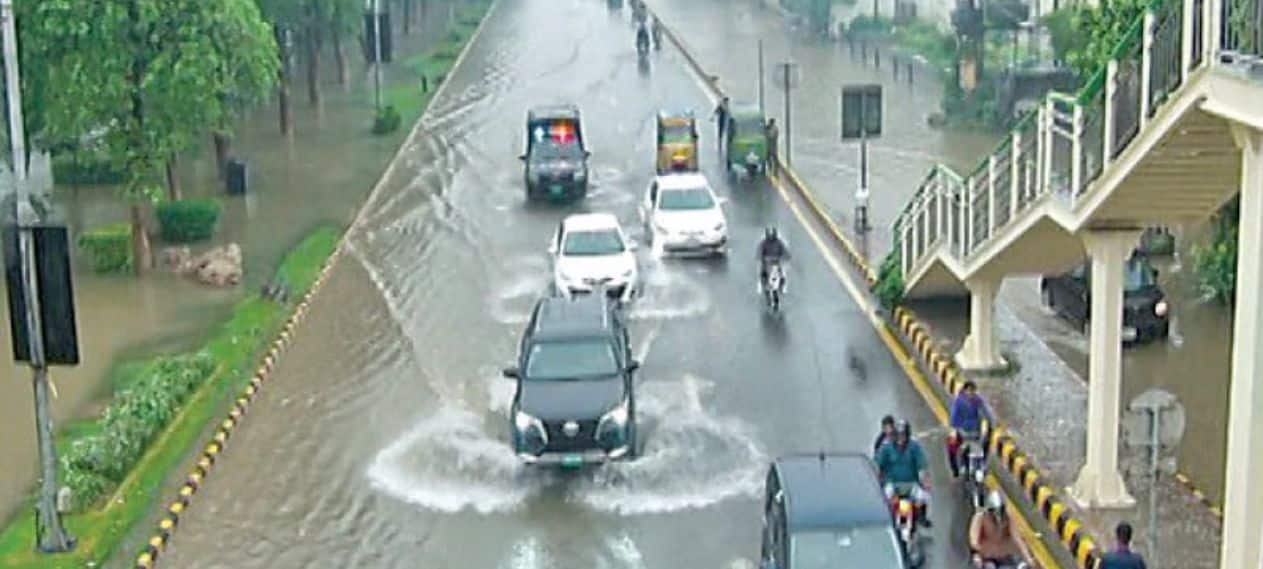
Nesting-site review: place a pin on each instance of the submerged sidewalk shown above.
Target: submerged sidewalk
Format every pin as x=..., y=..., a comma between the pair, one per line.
x=1044, y=405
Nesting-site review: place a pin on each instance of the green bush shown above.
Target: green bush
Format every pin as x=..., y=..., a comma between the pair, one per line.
x=889, y=286
x=186, y=221
x=94, y=464
x=109, y=248
x=1216, y=263
x=865, y=24
x=78, y=169
x=387, y=120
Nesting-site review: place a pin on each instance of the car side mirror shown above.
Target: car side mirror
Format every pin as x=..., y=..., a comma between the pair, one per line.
x=633, y=365
x=522, y=157
x=587, y=153
x=511, y=372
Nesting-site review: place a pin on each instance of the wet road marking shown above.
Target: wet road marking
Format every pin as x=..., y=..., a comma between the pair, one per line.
x=905, y=360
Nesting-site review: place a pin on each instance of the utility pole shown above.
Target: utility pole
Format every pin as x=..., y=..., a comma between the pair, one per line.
x=786, y=71
x=50, y=533
x=377, y=55
x=762, y=111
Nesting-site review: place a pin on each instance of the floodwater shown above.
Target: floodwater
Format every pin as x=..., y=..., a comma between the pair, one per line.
x=322, y=168
x=382, y=439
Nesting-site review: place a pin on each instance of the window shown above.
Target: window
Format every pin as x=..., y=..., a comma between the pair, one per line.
x=571, y=360
x=675, y=134
x=599, y=242
x=691, y=198
x=873, y=546
x=1138, y=275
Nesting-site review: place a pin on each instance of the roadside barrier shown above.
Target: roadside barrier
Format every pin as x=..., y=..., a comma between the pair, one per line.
x=165, y=530
x=1071, y=532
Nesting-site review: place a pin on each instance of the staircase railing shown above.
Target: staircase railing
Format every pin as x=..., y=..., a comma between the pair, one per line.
x=1064, y=145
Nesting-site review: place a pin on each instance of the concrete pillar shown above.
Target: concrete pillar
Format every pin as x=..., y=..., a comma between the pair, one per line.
x=979, y=352
x=1099, y=483
x=1243, y=483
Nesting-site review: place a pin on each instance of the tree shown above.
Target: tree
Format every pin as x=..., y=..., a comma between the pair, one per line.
x=344, y=22
x=1102, y=28
x=144, y=77
x=284, y=16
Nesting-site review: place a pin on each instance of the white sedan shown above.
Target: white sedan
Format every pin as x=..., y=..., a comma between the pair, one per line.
x=591, y=251
x=683, y=216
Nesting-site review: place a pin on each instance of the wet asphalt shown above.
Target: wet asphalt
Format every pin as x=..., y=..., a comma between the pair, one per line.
x=380, y=442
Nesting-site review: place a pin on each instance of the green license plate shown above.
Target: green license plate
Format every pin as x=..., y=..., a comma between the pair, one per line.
x=556, y=190
x=571, y=461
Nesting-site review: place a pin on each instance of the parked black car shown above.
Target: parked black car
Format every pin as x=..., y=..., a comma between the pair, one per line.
x=1145, y=308
x=827, y=510
x=575, y=403
x=556, y=158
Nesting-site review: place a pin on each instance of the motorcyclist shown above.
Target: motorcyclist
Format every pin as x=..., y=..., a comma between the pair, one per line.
x=903, y=470
x=642, y=38
x=657, y=33
x=993, y=538
x=968, y=411
x=772, y=250
x=887, y=433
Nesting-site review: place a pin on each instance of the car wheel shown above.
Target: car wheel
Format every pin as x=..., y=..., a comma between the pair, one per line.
x=1047, y=296
x=1086, y=327
x=634, y=449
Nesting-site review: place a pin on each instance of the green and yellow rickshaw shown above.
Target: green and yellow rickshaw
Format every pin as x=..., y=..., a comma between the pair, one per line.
x=677, y=142
x=746, y=142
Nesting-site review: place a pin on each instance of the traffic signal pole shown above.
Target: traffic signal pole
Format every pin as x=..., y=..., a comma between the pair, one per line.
x=51, y=535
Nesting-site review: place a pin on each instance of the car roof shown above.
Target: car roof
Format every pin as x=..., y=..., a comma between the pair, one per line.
x=559, y=318
x=590, y=221
x=565, y=111
x=831, y=490
x=682, y=181
x=683, y=114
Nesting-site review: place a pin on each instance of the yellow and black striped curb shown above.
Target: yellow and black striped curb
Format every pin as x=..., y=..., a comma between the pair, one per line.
x=158, y=542
x=1071, y=531
x=1199, y=496
x=170, y=520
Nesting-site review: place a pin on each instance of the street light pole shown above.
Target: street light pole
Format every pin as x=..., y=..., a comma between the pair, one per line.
x=787, y=68
x=377, y=55
x=50, y=533
x=762, y=111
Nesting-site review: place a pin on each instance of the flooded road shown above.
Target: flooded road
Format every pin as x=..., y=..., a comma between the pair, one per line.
x=381, y=441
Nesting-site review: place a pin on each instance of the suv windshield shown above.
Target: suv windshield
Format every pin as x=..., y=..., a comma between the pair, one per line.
x=551, y=149
x=600, y=242
x=692, y=198
x=1137, y=275
x=571, y=360
x=858, y=547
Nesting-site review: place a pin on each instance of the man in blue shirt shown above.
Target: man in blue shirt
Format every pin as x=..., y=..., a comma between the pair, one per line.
x=1122, y=557
x=903, y=470
x=968, y=411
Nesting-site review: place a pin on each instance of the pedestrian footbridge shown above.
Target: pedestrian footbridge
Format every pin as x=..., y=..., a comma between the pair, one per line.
x=1166, y=133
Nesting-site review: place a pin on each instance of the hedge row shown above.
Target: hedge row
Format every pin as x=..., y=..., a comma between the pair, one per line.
x=96, y=463
x=109, y=248
x=186, y=221
x=77, y=169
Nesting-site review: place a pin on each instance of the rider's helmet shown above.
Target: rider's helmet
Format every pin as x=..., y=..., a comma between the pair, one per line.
x=903, y=428
x=995, y=503
x=769, y=233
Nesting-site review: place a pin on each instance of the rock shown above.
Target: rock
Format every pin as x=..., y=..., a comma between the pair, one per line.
x=220, y=266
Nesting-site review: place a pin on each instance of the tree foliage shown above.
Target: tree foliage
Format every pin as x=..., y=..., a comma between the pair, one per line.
x=1216, y=263
x=144, y=77
x=1085, y=37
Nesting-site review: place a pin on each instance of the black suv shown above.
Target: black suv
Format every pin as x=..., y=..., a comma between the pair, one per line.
x=556, y=158
x=1145, y=308
x=574, y=402
x=827, y=510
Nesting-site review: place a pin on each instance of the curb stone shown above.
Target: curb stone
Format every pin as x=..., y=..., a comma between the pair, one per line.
x=166, y=527
x=1071, y=531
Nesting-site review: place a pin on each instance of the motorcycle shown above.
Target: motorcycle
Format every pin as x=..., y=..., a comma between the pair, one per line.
x=972, y=460
x=906, y=524
x=774, y=287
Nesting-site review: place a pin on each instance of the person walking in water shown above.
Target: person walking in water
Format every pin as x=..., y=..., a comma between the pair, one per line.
x=772, y=133
x=721, y=115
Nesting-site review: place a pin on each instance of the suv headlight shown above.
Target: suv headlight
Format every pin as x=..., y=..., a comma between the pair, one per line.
x=1161, y=308
x=612, y=428
x=529, y=433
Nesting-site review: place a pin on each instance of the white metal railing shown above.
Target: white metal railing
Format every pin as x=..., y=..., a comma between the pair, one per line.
x=1061, y=148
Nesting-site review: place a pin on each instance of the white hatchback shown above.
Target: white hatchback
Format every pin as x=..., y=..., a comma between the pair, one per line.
x=682, y=215
x=590, y=251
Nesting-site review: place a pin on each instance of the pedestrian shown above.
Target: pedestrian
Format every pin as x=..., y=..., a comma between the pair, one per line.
x=772, y=133
x=1122, y=557
x=721, y=115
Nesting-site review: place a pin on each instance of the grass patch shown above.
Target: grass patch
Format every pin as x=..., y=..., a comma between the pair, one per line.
x=235, y=347
x=431, y=67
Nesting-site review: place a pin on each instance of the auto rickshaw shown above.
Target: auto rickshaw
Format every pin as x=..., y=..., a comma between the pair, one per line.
x=746, y=142
x=677, y=142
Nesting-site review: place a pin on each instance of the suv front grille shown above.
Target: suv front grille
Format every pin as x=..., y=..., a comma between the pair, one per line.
x=559, y=442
